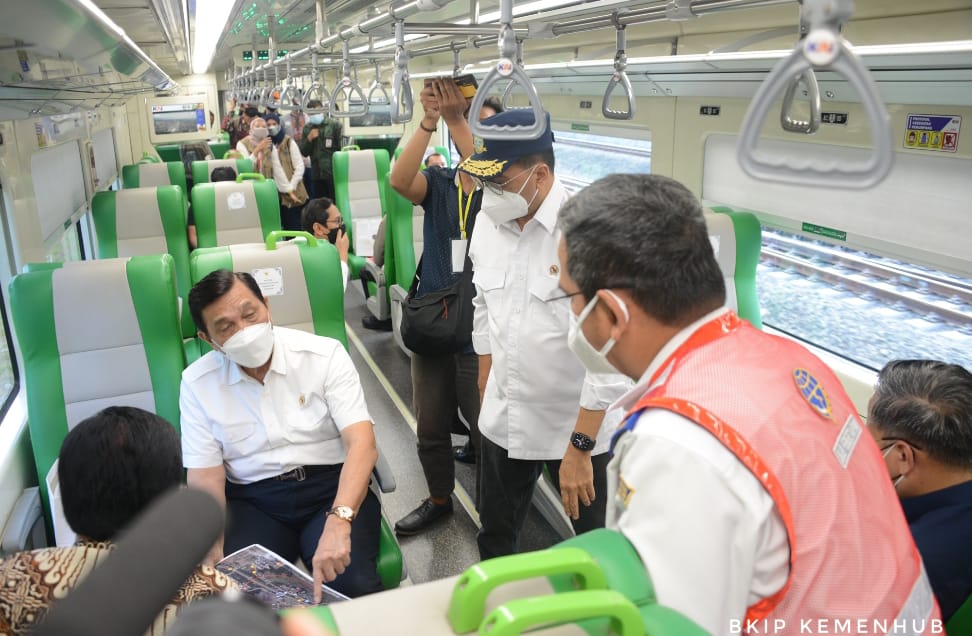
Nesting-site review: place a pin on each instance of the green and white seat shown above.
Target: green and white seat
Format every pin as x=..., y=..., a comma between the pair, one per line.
x=404, y=231
x=149, y=174
x=304, y=285
x=141, y=221
x=95, y=334
x=736, y=240
x=359, y=193
x=227, y=212
x=203, y=170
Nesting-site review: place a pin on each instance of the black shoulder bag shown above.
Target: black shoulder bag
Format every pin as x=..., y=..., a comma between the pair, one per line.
x=440, y=322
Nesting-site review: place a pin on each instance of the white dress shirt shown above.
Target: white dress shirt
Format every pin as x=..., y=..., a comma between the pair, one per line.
x=294, y=418
x=284, y=184
x=536, y=384
x=707, y=531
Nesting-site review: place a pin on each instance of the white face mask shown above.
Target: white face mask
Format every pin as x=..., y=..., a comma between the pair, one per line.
x=273, y=130
x=894, y=480
x=250, y=347
x=259, y=133
x=501, y=208
x=593, y=360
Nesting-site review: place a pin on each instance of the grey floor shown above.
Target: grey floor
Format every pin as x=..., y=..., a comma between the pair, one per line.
x=449, y=547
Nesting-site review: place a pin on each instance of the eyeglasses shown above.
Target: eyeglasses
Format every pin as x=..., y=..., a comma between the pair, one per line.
x=336, y=221
x=563, y=297
x=897, y=439
x=497, y=187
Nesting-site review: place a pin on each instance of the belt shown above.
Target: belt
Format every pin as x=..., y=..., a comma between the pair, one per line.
x=302, y=472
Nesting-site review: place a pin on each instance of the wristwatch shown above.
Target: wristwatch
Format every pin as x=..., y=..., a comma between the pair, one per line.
x=342, y=512
x=582, y=442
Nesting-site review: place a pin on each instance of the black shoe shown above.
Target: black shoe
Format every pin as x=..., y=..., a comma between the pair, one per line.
x=465, y=453
x=422, y=517
x=370, y=322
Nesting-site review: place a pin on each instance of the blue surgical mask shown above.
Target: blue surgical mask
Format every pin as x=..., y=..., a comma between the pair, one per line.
x=316, y=119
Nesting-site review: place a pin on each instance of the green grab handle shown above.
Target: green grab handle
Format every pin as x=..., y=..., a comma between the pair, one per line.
x=249, y=176
x=322, y=613
x=515, y=617
x=276, y=235
x=351, y=147
x=147, y=158
x=468, y=602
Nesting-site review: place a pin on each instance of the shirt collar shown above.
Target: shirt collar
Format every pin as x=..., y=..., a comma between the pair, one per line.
x=642, y=386
x=957, y=495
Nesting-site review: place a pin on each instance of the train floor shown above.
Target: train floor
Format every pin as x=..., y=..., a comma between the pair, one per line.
x=449, y=546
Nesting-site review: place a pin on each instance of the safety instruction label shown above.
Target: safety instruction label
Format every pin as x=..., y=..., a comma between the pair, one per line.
x=933, y=132
x=820, y=230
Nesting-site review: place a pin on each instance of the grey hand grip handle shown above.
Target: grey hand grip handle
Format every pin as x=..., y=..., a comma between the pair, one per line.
x=320, y=93
x=505, y=69
x=843, y=174
x=620, y=78
x=346, y=83
x=790, y=124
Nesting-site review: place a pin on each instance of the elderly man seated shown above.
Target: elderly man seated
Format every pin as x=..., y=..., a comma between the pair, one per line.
x=112, y=466
x=921, y=417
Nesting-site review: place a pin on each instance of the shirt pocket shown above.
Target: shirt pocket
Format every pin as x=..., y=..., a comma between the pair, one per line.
x=312, y=422
x=239, y=438
x=489, y=279
x=548, y=307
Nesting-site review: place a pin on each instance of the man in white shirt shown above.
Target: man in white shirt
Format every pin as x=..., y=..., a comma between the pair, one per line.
x=275, y=426
x=741, y=476
x=538, y=405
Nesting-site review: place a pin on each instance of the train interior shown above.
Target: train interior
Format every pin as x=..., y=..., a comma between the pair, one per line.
x=858, y=222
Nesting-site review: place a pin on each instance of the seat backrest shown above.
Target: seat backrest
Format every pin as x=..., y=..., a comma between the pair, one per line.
x=229, y=212
x=149, y=175
x=401, y=223
x=144, y=221
x=201, y=170
x=301, y=279
x=95, y=334
x=736, y=240
x=359, y=192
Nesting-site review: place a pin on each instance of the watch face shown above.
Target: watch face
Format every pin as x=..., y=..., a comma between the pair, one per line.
x=343, y=512
x=582, y=442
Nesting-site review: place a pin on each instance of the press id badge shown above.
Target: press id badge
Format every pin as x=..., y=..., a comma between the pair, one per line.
x=458, y=255
x=328, y=143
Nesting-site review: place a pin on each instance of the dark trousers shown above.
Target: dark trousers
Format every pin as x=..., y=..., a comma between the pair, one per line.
x=324, y=188
x=288, y=518
x=506, y=490
x=290, y=217
x=440, y=385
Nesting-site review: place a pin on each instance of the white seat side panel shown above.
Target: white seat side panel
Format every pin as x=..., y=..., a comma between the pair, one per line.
x=418, y=231
x=79, y=411
x=137, y=214
x=291, y=307
x=153, y=174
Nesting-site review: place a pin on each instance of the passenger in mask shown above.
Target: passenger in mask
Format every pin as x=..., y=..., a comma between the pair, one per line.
x=742, y=475
x=539, y=406
x=258, y=147
x=275, y=426
x=288, y=174
x=322, y=219
x=320, y=139
x=443, y=383
x=921, y=417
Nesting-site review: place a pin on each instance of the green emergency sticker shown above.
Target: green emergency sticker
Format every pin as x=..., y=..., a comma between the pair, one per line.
x=829, y=232
x=583, y=127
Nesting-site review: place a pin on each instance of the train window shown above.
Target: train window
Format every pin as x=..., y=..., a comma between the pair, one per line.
x=66, y=246
x=863, y=307
x=9, y=378
x=583, y=157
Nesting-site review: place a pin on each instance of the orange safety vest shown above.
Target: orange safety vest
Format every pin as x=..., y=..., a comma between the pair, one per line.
x=784, y=414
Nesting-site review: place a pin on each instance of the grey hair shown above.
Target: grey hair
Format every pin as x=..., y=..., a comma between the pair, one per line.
x=645, y=233
x=929, y=404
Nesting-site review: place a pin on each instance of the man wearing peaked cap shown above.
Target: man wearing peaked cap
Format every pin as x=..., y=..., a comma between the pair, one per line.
x=539, y=406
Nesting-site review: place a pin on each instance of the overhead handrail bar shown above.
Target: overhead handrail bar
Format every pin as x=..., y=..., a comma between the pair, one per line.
x=401, y=103
x=505, y=69
x=619, y=78
x=317, y=90
x=822, y=48
x=348, y=86
x=808, y=126
x=509, y=87
x=377, y=86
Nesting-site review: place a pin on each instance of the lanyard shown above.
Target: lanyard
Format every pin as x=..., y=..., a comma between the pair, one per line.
x=464, y=214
